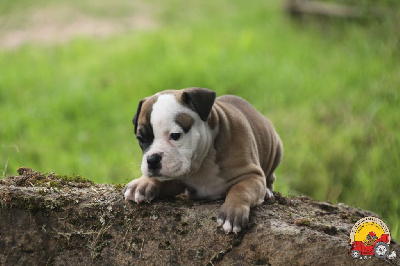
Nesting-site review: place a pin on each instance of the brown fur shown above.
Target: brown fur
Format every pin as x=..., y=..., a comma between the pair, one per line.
x=262, y=150
x=185, y=121
x=144, y=114
x=248, y=150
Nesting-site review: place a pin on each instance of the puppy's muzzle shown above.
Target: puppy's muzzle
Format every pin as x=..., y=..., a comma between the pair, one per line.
x=154, y=163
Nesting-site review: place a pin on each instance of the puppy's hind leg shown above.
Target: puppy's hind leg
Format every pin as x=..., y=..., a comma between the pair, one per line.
x=271, y=177
x=270, y=187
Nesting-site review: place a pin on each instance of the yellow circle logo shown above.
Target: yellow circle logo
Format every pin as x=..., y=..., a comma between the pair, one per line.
x=370, y=236
x=364, y=226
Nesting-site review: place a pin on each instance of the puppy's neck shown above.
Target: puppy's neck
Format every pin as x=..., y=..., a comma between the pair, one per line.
x=205, y=152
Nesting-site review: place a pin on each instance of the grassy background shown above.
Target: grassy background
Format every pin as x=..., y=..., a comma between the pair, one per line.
x=331, y=88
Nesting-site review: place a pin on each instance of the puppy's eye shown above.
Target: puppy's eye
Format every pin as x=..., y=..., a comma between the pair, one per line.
x=175, y=136
x=140, y=139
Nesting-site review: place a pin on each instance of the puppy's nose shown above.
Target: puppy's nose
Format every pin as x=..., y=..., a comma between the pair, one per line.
x=154, y=161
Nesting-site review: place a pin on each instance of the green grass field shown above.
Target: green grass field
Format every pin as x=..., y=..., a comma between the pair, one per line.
x=330, y=87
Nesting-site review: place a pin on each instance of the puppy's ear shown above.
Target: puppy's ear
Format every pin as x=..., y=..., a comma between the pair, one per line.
x=136, y=116
x=199, y=100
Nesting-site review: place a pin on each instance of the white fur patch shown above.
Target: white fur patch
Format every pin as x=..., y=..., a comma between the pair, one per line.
x=165, y=109
x=191, y=158
x=237, y=229
x=179, y=157
x=128, y=194
x=227, y=227
x=139, y=198
x=175, y=154
x=220, y=222
x=206, y=181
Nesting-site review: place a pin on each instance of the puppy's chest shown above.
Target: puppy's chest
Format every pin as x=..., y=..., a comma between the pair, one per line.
x=206, y=183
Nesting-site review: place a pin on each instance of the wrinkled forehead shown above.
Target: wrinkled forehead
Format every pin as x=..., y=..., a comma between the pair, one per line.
x=163, y=109
x=169, y=111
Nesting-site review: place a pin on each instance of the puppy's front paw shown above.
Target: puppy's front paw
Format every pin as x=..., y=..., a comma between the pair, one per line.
x=233, y=218
x=142, y=189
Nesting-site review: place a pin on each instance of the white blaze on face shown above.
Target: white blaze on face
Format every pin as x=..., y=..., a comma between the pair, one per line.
x=178, y=157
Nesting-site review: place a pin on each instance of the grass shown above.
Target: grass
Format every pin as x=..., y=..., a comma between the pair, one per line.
x=330, y=87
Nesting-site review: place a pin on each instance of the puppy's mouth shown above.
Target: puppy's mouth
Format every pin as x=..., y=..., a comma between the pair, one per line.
x=164, y=178
x=164, y=166
x=161, y=176
x=154, y=174
x=167, y=173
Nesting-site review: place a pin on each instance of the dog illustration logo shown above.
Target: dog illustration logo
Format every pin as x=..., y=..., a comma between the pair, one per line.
x=369, y=237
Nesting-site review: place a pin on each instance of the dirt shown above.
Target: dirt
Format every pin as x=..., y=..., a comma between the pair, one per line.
x=47, y=219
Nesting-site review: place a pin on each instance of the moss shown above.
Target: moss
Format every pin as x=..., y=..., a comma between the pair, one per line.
x=42, y=192
x=75, y=179
x=119, y=187
x=40, y=183
x=34, y=204
x=303, y=222
x=28, y=178
x=47, y=183
x=53, y=184
x=31, y=204
x=354, y=219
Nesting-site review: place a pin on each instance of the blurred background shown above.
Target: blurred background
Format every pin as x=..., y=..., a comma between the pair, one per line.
x=326, y=73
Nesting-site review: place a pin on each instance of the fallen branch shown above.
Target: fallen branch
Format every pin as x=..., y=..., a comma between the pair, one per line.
x=298, y=7
x=65, y=221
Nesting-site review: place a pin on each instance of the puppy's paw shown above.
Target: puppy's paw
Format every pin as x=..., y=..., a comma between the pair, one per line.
x=269, y=195
x=233, y=218
x=140, y=190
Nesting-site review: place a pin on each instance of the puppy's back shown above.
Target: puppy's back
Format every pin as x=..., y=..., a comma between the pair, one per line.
x=270, y=149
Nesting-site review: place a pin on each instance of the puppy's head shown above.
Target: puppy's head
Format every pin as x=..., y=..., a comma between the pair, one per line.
x=171, y=128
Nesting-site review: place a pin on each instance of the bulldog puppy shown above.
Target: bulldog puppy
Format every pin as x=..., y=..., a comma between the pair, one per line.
x=210, y=148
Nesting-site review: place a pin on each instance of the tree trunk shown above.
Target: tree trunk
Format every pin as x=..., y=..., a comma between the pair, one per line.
x=53, y=220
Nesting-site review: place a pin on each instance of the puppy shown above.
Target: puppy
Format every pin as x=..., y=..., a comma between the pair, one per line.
x=210, y=148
